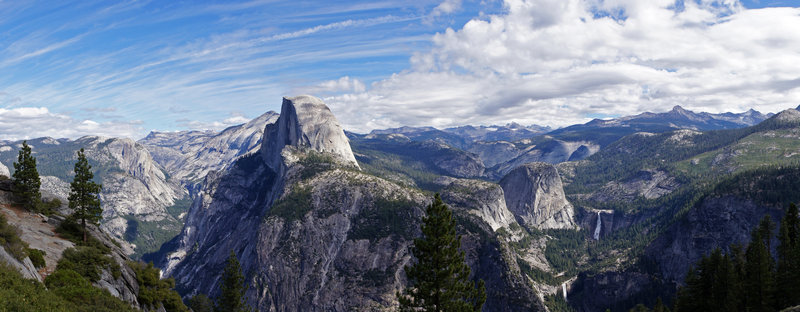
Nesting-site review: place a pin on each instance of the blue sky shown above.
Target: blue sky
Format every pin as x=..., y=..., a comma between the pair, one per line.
x=125, y=68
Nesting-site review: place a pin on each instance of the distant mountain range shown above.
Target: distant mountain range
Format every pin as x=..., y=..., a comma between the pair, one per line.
x=614, y=211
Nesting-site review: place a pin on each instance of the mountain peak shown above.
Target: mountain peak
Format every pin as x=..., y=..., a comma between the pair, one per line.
x=307, y=124
x=789, y=115
x=678, y=109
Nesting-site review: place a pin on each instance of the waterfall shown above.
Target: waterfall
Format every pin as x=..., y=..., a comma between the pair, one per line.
x=564, y=288
x=597, y=227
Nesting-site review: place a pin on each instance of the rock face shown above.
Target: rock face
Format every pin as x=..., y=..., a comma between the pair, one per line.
x=312, y=234
x=551, y=151
x=647, y=183
x=494, y=153
x=188, y=156
x=41, y=235
x=535, y=195
x=24, y=267
x=135, y=188
x=486, y=200
x=4, y=170
x=716, y=223
x=306, y=124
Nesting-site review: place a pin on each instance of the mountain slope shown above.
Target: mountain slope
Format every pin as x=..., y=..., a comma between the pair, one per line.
x=138, y=199
x=188, y=156
x=313, y=232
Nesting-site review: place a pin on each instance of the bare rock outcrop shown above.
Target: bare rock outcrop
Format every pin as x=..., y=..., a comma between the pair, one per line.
x=305, y=124
x=535, y=195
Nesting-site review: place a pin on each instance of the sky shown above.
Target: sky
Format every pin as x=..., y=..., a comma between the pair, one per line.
x=69, y=69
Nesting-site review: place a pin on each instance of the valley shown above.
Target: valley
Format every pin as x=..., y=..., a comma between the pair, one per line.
x=608, y=214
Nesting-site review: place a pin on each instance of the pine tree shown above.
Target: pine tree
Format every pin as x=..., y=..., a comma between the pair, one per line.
x=83, y=194
x=788, y=274
x=758, y=282
x=26, y=179
x=201, y=303
x=440, y=277
x=660, y=307
x=233, y=288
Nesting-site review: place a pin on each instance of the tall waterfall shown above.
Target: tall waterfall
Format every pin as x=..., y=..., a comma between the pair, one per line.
x=598, y=227
x=564, y=289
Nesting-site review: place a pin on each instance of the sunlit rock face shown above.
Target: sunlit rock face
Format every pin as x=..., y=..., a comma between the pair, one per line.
x=535, y=195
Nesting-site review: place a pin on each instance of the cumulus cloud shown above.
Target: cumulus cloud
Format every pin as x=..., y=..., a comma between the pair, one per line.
x=557, y=62
x=33, y=122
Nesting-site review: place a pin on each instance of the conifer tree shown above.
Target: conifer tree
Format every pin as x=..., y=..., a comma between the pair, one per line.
x=788, y=274
x=233, y=288
x=660, y=307
x=26, y=178
x=758, y=282
x=83, y=194
x=439, y=280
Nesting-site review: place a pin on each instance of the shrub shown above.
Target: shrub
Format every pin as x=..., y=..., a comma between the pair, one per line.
x=48, y=207
x=37, y=257
x=71, y=286
x=153, y=290
x=19, y=294
x=9, y=238
x=88, y=262
x=201, y=303
x=72, y=231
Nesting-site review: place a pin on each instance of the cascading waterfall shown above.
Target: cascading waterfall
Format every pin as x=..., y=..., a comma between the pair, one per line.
x=598, y=227
x=564, y=289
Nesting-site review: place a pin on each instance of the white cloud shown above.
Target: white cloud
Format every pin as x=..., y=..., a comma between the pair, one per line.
x=446, y=7
x=33, y=122
x=343, y=84
x=555, y=62
x=235, y=119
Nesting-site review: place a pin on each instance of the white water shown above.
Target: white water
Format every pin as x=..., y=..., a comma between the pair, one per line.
x=598, y=227
x=564, y=288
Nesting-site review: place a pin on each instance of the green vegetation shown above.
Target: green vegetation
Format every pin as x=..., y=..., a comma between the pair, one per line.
x=748, y=279
x=233, y=288
x=627, y=156
x=23, y=295
x=201, y=303
x=294, y=205
x=565, y=249
x=9, y=239
x=37, y=257
x=70, y=286
x=84, y=194
x=439, y=280
x=314, y=163
x=539, y=275
x=59, y=159
x=180, y=206
x=72, y=231
x=149, y=236
x=658, y=307
x=556, y=303
x=88, y=262
x=386, y=217
x=406, y=163
x=155, y=292
x=26, y=179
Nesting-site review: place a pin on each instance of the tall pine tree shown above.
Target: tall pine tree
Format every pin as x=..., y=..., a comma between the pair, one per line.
x=440, y=277
x=758, y=281
x=788, y=274
x=83, y=194
x=26, y=179
x=233, y=288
